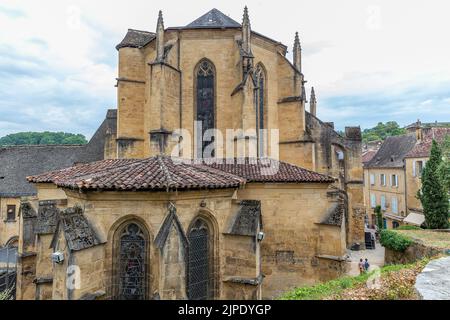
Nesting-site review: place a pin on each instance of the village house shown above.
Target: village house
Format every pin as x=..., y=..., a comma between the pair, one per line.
x=148, y=223
x=392, y=175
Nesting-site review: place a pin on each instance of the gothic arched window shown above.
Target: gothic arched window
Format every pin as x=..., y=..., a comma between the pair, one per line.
x=200, y=262
x=205, y=103
x=260, y=101
x=131, y=263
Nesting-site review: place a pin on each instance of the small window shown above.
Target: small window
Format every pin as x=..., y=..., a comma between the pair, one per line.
x=420, y=166
x=383, y=179
x=373, y=200
x=394, y=180
x=372, y=179
x=395, y=224
x=383, y=202
x=394, y=204
x=11, y=213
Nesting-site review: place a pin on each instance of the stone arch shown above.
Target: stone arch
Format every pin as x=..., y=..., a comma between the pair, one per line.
x=205, y=106
x=13, y=242
x=203, y=256
x=130, y=259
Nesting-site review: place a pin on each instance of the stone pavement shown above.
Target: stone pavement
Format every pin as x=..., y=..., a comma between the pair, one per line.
x=434, y=281
x=376, y=258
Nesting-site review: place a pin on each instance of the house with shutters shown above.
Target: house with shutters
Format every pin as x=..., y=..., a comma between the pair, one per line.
x=392, y=177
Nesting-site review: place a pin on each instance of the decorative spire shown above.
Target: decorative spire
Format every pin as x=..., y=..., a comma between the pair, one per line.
x=297, y=53
x=246, y=32
x=160, y=38
x=313, y=103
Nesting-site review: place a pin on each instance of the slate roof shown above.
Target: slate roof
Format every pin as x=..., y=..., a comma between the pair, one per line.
x=423, y=148
x=335, y=215
x=78, y=232
x=393, y=151
x=136, y=39
x=213, y=19
x=18, y=162
x=247, y=219
x=165, y=173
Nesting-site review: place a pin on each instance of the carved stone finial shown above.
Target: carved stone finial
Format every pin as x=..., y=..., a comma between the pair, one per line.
x=160, y=37
x=297, y=53
x=246, y=32
x=313, y=102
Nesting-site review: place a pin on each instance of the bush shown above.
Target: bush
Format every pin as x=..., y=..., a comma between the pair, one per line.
x=408, y=228
x=395, y=241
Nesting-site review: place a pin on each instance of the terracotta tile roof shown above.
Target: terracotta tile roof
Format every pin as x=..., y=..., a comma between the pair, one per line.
x=269, y=170
x=423, y=148
x=368, y=155
x=164, y=173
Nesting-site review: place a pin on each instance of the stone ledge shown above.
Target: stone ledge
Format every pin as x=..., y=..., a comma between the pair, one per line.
x=249, y=281
x=93, y=296
x=334, y=258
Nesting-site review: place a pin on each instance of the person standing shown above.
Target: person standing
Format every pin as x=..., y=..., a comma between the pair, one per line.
x=361, y=266
x=366, y=265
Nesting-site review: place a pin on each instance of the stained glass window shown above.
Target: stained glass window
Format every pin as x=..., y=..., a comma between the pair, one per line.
x=260, y=101
x=205, y=102
x=199, y=261
x=132, y=263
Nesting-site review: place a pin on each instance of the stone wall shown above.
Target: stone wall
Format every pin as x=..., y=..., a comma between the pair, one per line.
x=9, y=229
x=242, y=267
x=413, y=253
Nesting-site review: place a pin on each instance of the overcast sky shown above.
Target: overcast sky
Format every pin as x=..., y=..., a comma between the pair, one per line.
x=369, y=61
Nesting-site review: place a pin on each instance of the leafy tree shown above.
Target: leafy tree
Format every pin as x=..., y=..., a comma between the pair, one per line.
x=444, y=168
x=40, y=138
x=433, y=195
x=380, y=223
x=381, y=131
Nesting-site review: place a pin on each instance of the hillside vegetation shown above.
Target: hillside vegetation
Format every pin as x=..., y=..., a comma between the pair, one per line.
x=381, y=131
x=41, y=138
x=396, y=282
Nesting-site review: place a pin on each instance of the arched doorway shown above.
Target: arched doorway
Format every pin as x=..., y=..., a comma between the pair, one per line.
x=200, y=262
x=131, y=262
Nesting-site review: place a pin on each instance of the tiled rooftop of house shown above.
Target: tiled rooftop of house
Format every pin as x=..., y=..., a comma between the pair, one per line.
x=423, y=148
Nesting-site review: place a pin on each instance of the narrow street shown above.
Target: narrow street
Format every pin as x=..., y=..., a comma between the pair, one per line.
x=376, y=258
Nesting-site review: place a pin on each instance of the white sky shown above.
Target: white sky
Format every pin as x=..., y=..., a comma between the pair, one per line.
x=369, y=61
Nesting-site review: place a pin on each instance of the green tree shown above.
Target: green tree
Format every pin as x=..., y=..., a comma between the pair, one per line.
x=381, y=131
x=433, y=195
x=444, y=168
x=40, y=138
x=380, y=223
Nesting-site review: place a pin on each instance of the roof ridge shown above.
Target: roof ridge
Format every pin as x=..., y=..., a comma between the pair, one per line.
x=138, y=30
x=168, y=181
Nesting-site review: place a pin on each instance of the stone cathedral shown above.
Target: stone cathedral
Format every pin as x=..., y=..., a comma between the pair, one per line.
x=144, y=224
